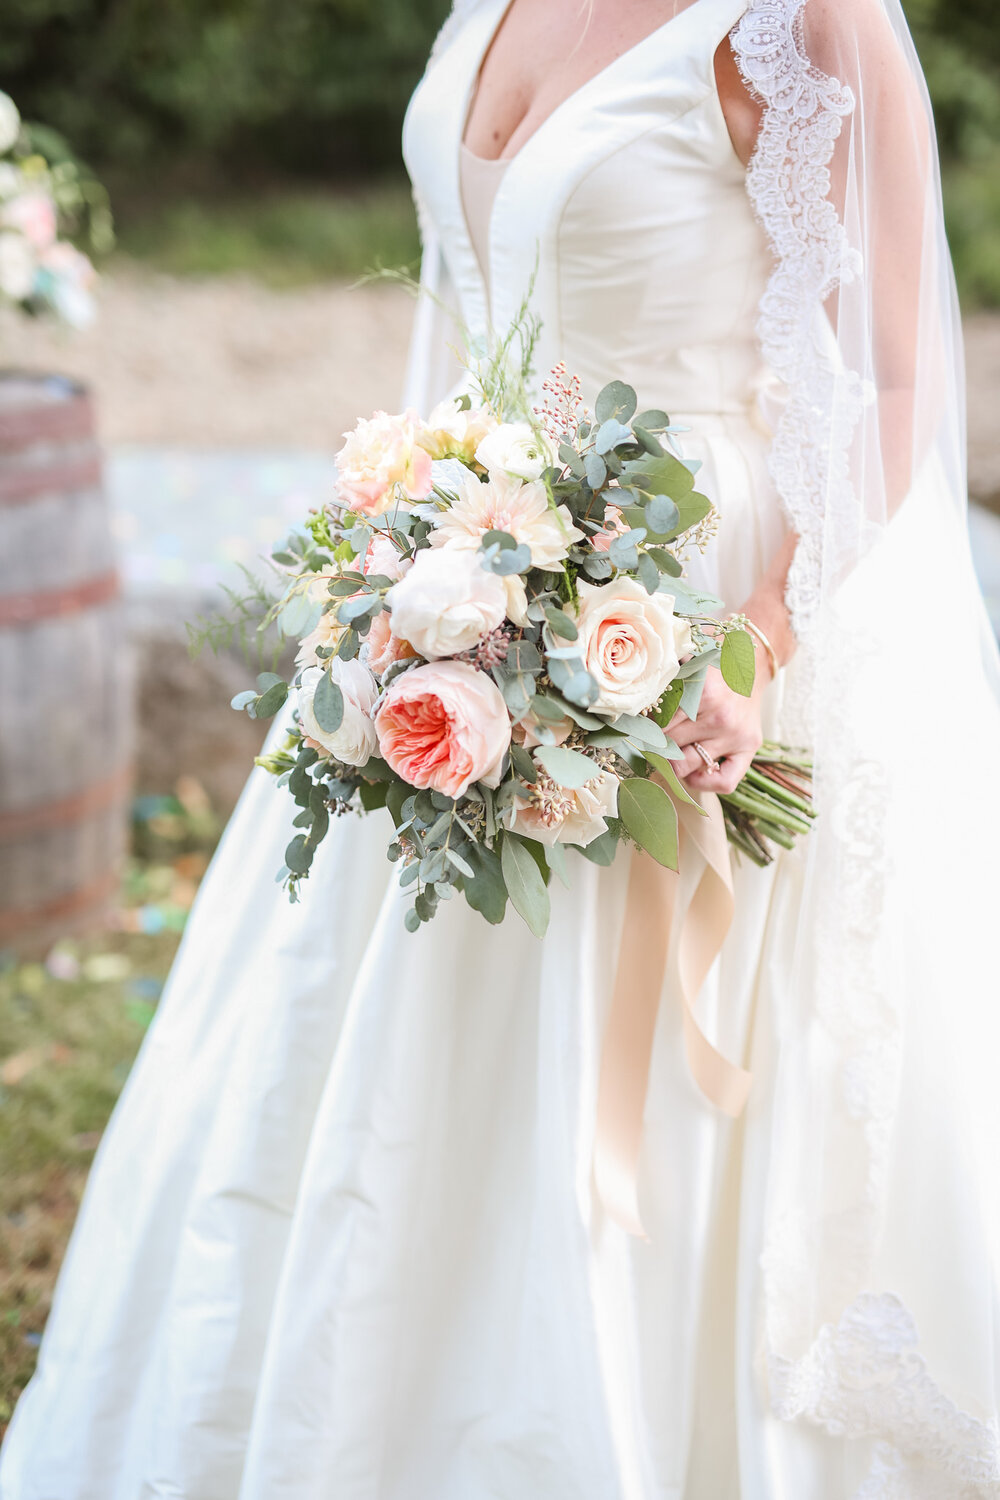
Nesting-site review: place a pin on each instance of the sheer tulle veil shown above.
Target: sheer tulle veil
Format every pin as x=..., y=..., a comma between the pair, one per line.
x=883, y=1110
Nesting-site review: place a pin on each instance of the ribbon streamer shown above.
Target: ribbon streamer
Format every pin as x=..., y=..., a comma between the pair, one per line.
x=650, y=916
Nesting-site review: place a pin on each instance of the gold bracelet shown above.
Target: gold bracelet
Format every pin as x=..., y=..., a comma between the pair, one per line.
x=755, y=630
x=772, y=655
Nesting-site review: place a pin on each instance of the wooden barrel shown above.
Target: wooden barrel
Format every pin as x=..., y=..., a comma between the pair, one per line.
x=66, y=714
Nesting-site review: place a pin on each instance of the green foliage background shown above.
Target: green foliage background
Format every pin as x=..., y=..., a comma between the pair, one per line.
x=317, y=88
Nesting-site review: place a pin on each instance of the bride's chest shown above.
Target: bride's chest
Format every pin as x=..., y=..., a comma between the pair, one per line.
x=627, y=200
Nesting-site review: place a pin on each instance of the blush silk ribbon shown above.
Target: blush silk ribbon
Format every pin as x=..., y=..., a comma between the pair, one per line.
x=651, y=912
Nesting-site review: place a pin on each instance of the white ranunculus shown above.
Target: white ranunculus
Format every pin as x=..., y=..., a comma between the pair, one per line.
x=515, y=448
x=17, y=266
x=10, y=122
x=629, y=643
x=354, y=742
x=447, y=602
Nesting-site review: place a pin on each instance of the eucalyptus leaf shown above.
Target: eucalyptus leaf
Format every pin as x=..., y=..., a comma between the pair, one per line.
x=644, y=731
x=647, y=439
x=616, y=400
x=652, y=420
x=523, y=656
x=510, y=560
x=561, y=623
x=268, y=703
x=299, y=855
x=693, y=508
x=649, y=574
x=572, y=460
x=358, y=607
x=738, y=663
x=349, y=643
x=669, y=703
x=598, y=565
x=662, y=515
x=328, y=704
x=299, y=615
x=242, y=699
x=602, y=850
x=666, y=562
x=610, y=434
x=665, y=475
x=691, y=695
x=568, y=768
x=596, y=470
x=650, y=818
x=485, y=891
x=525, y=885
x=663, y=767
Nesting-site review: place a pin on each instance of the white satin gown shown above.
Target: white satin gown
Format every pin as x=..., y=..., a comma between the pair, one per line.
x=340, y=1238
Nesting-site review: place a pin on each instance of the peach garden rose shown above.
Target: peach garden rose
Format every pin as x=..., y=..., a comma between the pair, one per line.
x=444, y=726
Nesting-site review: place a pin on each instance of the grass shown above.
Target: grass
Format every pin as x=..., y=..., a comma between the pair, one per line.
x=282, y=237
x=69, y=1030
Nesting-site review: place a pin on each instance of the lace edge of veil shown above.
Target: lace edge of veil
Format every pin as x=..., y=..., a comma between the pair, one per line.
x=788, y=182
x=863, y=1376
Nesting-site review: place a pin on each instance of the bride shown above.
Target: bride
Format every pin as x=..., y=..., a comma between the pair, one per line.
x=341, y=1237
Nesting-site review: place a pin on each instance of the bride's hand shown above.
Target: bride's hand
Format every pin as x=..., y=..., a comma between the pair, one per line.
x=728, y=728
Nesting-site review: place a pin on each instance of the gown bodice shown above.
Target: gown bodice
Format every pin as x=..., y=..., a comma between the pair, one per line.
x=627, y=205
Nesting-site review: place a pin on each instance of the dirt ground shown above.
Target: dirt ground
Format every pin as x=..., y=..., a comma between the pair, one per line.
x=227, y=362
x=230, y=363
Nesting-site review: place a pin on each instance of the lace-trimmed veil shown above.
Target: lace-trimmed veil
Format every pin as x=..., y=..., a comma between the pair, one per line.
x=884, y=1110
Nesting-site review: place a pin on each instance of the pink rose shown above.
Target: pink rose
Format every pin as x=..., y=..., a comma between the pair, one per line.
x=34, y=214
x=382, y=556
x=444, y=726
x=614, y=525
x=383, y=648
x=381, y=455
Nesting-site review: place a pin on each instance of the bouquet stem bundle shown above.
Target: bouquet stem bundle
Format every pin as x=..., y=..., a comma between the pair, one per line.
x=772, y=804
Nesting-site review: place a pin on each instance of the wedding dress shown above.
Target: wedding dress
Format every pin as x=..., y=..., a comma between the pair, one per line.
x=341, y=1237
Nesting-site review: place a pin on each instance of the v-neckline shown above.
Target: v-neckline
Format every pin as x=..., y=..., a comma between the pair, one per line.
x=491, y=35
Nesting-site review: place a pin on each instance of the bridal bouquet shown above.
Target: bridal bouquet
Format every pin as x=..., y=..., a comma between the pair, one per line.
x=495, y=631
x=44, y=195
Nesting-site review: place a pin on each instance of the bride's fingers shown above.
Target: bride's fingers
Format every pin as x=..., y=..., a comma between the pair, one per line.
x=731, y=771
x=691, y=762
x=683, y=731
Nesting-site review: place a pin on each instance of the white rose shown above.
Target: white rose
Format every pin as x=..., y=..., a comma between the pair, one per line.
x=628, y=644
x=447, y=602
x=17, y=266
x=10, y=122
x=354, y=742
x=566, y=817
x=515, y=448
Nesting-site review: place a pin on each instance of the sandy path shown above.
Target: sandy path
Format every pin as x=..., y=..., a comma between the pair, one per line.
x=227, y=362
